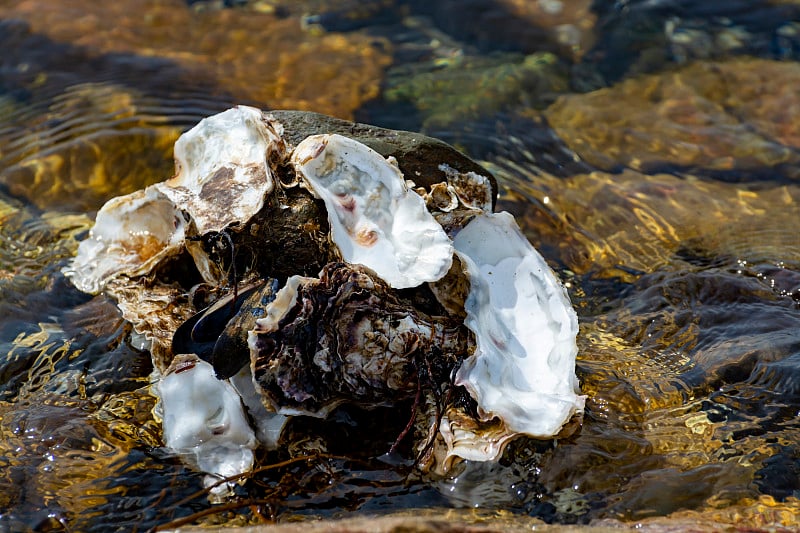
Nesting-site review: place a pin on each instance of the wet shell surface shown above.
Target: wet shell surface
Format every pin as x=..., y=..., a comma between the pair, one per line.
x=469, y=439
x=375, y=219
x=131, y=235
x=223, y=168
x=204, y=421
x=241, y=337
x=345, y=337
x=523, y=370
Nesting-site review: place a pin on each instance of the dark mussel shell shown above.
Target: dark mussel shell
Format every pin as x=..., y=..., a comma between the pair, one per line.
x=218, y=333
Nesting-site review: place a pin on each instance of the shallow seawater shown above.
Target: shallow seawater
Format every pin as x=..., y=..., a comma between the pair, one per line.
x=650, y=151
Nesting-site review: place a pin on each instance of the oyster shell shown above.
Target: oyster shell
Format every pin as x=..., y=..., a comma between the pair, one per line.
x=469, y=439
x=223, y=168
x=473, y=190
x=204, y=421
x=346, y=337
x=131, y=235
x=155, y=310
x=375, y=219
x=523, y=370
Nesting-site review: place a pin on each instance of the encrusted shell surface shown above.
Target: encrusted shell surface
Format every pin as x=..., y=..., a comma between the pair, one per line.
x=346, y=337
x=523, y=370
x=223, y=167
x=155, y=310
x=131, y=235
x=375, y=219
x=473, y=190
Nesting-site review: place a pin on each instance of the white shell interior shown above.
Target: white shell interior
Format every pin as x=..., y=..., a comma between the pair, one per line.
x=269, y=425
x=222, y=170
x=204, y=420
x=131, y=234
x=376, y=220
x=523, y=370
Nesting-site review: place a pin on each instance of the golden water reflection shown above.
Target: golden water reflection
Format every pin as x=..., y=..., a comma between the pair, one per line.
x=677, y=239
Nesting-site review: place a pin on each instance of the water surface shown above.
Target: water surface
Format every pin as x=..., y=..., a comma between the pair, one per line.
x=648, y=149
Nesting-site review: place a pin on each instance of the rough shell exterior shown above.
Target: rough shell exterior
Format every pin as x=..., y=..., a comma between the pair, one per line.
x=345, y=337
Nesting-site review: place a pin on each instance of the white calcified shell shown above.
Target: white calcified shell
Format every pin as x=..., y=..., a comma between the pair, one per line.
x=376, y=221
x=523, y=370
x=284, y=300
x=132, y=233
x=269, y=425
x=469, y=439
x=204, y=420
x=222, y=167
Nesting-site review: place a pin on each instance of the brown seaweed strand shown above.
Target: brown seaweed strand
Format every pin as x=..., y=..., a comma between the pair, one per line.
x=410, y=423
x=238, y=477
x=178, y=522
x=235, y=275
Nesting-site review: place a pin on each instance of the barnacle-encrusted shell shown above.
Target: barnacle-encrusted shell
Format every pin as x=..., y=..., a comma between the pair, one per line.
x=453, y=203
x=204, y=420
x=473, y=190
x=523, y=370
x=131, y=235
x=375, y=219
x=223, y=167
x=155, y=310
x=345, y=337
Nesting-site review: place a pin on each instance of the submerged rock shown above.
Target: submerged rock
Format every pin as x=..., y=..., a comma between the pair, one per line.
x=222, y=48
x=381, y=323
x=470, y=88
x=94, y=142
x=657, y=221
x=732, y=119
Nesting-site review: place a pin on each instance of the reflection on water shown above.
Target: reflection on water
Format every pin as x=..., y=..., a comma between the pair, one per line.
x=667, y=199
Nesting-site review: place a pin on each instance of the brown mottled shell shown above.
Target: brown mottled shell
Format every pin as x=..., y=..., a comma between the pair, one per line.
x=348, y=337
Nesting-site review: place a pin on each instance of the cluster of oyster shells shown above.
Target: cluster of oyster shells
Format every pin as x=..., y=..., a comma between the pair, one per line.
x=279, y=280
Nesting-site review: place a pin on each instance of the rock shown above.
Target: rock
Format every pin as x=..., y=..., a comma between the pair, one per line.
x=253, y=56
x=734, y=120
x=95, y=143
x=569, y=24
x=470, y=87
x=418, y=156
x=654, y=221
x=641, y=36
x=562, y=26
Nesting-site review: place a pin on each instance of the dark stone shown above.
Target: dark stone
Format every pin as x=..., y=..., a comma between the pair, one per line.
x=418, y=155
